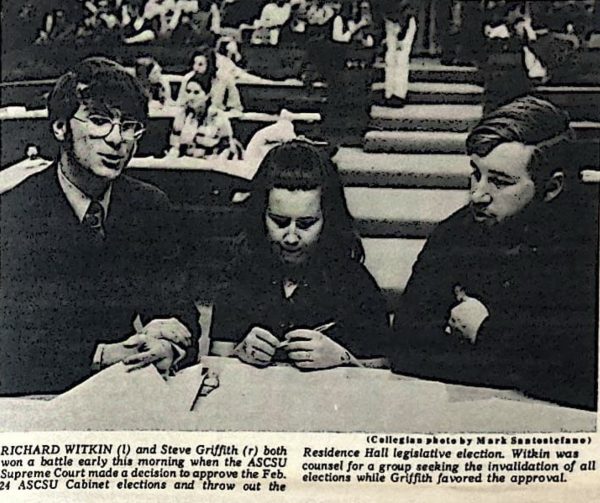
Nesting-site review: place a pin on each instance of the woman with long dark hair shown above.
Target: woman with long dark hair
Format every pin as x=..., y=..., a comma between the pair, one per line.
x=203, y=69
x=298, y=291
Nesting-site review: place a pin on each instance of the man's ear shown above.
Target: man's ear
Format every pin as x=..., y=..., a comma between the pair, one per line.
x=59, y=128
x=554, y=186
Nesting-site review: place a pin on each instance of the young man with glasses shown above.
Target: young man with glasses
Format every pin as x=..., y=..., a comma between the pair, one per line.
x=87, y=252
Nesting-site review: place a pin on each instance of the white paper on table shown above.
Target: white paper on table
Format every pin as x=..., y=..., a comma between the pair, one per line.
x=114, y=399
x=19, y=414
x=286, y=399
x=504, y=416
x=185, y=385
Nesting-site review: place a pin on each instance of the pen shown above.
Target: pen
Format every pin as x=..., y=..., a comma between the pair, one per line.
x=138, y=326
x=321, y=329
x=324, y=327
x=204, y=374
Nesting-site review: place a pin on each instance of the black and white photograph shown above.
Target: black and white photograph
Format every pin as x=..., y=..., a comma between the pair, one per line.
x=299, y=216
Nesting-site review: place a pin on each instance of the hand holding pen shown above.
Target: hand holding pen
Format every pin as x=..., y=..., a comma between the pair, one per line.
x=311, y=349
x=259, y=345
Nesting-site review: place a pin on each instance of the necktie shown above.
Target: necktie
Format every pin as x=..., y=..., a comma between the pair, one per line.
x=94, y=220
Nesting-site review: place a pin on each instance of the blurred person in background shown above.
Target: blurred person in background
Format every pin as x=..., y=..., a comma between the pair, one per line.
x=219, y=85
x=221, y=75
x=400, y=31
x=266, y=28
x=159, y=20
x=201, y=129
x=201, y=24
x=156, y=86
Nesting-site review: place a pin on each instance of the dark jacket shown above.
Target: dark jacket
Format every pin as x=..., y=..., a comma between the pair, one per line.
x=539, y=283
x=62, y=293
x=344, y=293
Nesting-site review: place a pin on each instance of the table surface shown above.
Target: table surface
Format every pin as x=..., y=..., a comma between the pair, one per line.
x=285, y=399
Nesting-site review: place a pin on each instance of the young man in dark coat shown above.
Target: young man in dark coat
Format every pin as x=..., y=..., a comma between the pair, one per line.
x=86, y=250
x=504, y=293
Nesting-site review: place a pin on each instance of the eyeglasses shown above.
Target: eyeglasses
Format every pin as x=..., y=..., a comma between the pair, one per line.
x=101, y=126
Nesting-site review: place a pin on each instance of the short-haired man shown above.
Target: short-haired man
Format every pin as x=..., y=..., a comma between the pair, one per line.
x=504, y=292
x=86, y=249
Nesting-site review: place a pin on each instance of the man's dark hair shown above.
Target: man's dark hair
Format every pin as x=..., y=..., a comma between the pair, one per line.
x=531, y=121
x=103, y=82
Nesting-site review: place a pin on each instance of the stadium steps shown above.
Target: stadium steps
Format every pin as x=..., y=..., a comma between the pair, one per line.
x=456, y=118
x=582, y=101
x=358, y=168
x=412, y=172
x=415, y=142
x=452, y=118
x=436, y=93
x=431, y=70
x=406, y=213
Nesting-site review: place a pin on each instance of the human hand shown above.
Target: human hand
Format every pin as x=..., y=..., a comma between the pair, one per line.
x=157, y=351
x=170, y=329
x=310, y=349
x=120, y=351
x=257, y=348
x=466, y=317
x=354, y=27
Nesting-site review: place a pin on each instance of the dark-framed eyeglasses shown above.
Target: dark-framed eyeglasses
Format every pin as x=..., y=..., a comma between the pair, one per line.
x=101, y=126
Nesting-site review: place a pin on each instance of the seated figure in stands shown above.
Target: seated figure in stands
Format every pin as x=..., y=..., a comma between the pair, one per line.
x=87, y=257
x=201, y=129
x=156, y=86
x=217, y=81
x=266, y=29
x=158, y=20
x=200, y=23
x=504, y=292
x=298, y=290
x=221, y=75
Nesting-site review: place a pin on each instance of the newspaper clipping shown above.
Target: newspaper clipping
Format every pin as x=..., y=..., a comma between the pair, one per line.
x=299, y=250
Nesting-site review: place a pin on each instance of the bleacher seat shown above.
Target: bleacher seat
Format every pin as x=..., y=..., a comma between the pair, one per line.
x=381, y=212
x=371, y=169
x=457, y=118
x=423, y=142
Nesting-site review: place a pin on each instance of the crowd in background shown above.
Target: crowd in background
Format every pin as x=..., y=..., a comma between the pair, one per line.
x=456, y=30
x=340, y=42
x=388, y=31
x=270, y=21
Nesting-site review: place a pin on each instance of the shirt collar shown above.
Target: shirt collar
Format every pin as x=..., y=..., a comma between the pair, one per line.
x=79, y=201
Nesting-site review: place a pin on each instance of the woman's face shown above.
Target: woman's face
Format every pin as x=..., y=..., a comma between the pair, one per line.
x=195, y=96
x=200, y=65
x=294, y=222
